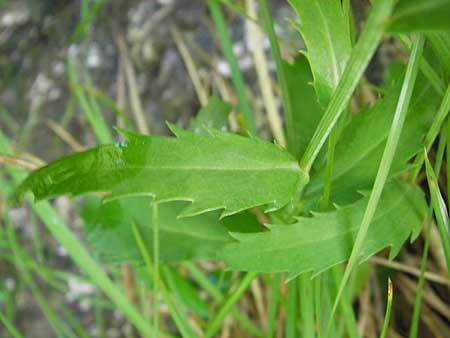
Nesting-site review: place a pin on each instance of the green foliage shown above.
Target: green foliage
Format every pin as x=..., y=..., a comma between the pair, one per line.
x=361, y=145
x=328, y=48
x=209, y=173
x=213, y=115
x=420, y=15
x=305, y=105
x=213, y=171
x=326, y=239
x=109, y=231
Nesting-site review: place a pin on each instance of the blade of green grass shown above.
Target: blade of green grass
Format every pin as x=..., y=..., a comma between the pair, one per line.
x=359, y=59
x=427, y=70
x=306, y=298
x=291, y=309
x=58, y=326
x=440, y=210
x=236, y=74
x=416, y=312
x=273, y=306
x=386, y=161
x=387, y=316
x=292, y=135
x=10, y=327
x=95, y=119
x=432, y=133
x=88, y=14
x=216, y=294
x=180, y=321
x=232, y=299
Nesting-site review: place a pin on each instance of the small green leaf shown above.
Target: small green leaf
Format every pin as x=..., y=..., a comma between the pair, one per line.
x=213, y=115
x=305, y=105
x=328, y=48
x=214, y=171
x=361, y=145
x=326, y=239
x=420, y=15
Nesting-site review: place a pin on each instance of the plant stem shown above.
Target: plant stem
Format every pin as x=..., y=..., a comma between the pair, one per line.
x=432, y=133
x=292, y=134
x=386, y=161
x=236, y=75
x=387, y=316
x=359, y=59
x=214, y=326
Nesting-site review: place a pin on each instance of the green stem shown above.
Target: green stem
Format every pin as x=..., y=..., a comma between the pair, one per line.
x=273, y=307
x=292, y=134
x=10, y=327
x=387, y=316
x=214, y=326
x=432, y=133
x=236, y=74
x=359, y=59
x=386, y=161
x=291, y=310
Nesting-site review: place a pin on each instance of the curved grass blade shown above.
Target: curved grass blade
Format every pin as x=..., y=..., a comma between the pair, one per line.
x=386, y=161
x=440, y=211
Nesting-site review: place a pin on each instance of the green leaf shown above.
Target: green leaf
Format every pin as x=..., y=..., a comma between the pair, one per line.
x=305, y=105
x=361, y=145
x=326, y=239
x=213, y=115
x=440, y=43
x=326, y=33
x=420, y=15
x=193, y=238
x=215, y=171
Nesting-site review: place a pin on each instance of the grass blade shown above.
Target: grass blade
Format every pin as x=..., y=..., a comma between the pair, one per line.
x=432, y=133
x=387, y=316
x=440, y=210
x=236, y=75
x=214, y=326
x=359, y=59
x=291, y=309
x=10, y=327
x=386, y=161
x=276, y=54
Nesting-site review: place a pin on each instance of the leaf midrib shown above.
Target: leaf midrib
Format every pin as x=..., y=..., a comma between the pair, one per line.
x=292, y=167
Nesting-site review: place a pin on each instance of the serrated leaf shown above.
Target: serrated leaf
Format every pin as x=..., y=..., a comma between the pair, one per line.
x=109, y=231
x=420, y=15
x=213, y=115
x=326, y=239
x=327, y=38
x=305, y=105
x=361, y=145
x=215, y=171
